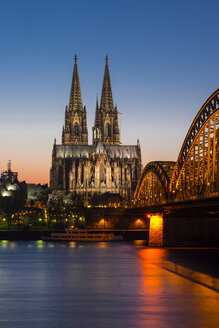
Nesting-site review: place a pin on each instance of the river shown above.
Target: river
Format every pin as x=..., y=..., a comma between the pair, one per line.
x=117, y=284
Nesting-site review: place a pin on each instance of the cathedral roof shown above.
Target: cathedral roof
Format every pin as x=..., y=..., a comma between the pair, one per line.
x=122, y=151
x=66, y=151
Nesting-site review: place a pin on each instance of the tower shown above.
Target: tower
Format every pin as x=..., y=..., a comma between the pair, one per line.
x=75, y=129
x=106, y=128
x=104, y=167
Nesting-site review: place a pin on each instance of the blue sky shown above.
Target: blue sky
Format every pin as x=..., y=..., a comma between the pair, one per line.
x=163, y=58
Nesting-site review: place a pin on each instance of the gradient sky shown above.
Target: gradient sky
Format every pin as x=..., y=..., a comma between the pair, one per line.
x=163, y=59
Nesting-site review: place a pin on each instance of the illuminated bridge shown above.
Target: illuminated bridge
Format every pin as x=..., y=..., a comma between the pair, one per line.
x=195, y=175
x=178, y=202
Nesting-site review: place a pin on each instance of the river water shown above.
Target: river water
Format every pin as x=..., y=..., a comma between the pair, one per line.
x=124, y=285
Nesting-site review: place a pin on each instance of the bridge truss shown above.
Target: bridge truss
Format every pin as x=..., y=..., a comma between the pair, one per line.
x=153, y=184
x=197, y=169
x=196, y=172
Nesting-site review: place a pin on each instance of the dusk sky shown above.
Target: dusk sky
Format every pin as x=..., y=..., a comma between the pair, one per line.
x=163, y=60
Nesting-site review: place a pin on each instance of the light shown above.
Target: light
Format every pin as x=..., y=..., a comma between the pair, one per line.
x=156, y=221
x=156, y=230
x=39, y=244
x=4, y=243
x=5, y=194
x=102, y=222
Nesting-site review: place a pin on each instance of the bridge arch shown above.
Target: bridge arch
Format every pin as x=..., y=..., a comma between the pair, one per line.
x=196, y=172
x=153, y=184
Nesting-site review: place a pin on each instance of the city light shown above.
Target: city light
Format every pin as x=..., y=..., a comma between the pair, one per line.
x=156, y=222
x=156, y=230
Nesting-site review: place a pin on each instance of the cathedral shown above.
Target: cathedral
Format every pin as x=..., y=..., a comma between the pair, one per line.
x=106, y=166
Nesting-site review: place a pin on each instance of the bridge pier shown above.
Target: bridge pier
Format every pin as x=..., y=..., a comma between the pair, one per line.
x=156, y=231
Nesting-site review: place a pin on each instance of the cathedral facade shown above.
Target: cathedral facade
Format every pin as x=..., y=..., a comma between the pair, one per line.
x=106, y=166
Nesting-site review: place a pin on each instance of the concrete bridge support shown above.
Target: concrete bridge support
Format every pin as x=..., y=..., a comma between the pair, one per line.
x=156, y=231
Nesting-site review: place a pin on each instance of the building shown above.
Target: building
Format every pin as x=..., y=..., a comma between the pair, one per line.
x=37, y=192
x=106, y=166
x=10, y=186
x=9, y=174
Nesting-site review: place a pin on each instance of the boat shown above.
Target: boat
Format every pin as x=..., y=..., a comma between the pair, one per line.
x=82, y=235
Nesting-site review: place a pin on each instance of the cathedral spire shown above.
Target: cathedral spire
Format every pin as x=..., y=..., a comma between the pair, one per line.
x=96, y=112
x=75, y=101
x=97, y=101
x=106, y=129
x=106, y=96
x=75, y=129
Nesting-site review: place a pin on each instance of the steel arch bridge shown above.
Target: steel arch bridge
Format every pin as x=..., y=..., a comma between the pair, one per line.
x=196, y=172
x=154, y=183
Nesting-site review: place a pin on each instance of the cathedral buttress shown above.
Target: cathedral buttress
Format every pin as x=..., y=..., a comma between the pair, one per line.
x=106, y=128
x=75, y=129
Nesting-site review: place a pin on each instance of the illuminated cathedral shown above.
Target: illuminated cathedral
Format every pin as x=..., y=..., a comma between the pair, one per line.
x=106, y=166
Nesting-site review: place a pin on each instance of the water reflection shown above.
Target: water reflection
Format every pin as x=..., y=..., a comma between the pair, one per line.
x=102, y=244
x=99, y=285
x=40, y=244
x=173, y=300
x=139, y=243
x=4, y=243
x=7, y=244
x=72, y=244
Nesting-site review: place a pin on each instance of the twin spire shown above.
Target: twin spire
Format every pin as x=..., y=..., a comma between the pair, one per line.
x=106, y=129
x=75, y=101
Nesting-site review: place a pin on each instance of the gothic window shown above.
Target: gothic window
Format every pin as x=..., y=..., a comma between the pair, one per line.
x=60, y=177
x=108, y=130
x=101, y=172
x=76, y=130
x=82, y=174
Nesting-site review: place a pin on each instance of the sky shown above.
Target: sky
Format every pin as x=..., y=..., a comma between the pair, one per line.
x=163, y=60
